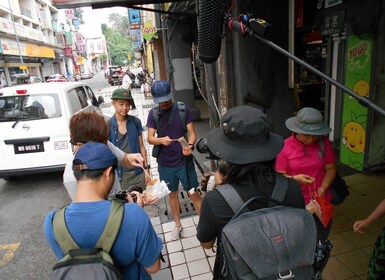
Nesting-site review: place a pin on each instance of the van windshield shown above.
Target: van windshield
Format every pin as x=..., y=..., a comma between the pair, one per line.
x=29, y=107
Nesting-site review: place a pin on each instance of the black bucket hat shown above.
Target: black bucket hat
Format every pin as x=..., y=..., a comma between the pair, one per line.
x=308, y=121
x=244, y=137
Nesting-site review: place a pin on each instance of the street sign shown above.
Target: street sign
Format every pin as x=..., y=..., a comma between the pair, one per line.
x=23, y=67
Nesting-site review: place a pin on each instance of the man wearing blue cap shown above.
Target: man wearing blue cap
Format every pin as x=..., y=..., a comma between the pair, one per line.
x=175, y=163
x=137, y=248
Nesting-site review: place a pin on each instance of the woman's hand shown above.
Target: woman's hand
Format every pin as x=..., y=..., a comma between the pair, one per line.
x=304, y=179
x=359, y=226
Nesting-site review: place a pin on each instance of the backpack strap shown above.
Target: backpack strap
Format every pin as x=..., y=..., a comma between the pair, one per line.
x=235, y=202
x=322, y=144
x=62, y=235
x=280, y=189
x=106, y=239
x=182, y=113
x=231, y=196
x=135, y=121
x=111, y=230
x=156, y=114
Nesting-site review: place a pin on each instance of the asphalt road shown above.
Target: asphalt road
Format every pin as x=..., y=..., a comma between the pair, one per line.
x=24, y=203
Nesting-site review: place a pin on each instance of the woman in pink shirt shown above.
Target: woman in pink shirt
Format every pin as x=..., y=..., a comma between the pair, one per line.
x=313, y=167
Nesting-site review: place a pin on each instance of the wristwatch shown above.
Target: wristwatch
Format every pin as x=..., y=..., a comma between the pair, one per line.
x=192, y=146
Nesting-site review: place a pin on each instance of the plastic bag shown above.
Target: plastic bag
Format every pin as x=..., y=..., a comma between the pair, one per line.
x=157, y=189
x=327, y=210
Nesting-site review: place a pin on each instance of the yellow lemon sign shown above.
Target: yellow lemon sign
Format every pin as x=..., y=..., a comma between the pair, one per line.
x=149, y=31
x=10, y=248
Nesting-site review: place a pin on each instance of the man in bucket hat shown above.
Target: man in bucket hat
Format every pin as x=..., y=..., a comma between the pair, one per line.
x=126, y=134
x=137, y=248
x=247, y=150
x=308, y=158
x=175, y=163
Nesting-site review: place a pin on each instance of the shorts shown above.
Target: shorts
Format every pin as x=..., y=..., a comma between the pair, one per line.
x=173, y=175
x=130, y=178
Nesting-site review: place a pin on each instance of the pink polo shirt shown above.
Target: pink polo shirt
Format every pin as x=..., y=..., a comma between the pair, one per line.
x=297, y=158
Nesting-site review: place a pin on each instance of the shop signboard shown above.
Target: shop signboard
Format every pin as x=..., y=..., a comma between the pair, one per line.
x=69, y=14
x=135, y=37
x=149, y=31
x=354, y=116
x=333, y=23
x=44, y=18
x=67, y=52
x=11, y=47
x=37, y=51
x=7, y=26
x=134, y=16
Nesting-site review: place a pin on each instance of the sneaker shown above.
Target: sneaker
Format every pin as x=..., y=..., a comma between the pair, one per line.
x=175, y=233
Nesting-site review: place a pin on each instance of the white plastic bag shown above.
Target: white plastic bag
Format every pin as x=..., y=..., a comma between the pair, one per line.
x=158, y=189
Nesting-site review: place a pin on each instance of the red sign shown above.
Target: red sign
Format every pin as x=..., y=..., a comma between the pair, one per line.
x=68, y=52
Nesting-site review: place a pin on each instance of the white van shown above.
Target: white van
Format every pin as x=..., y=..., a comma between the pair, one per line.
x=34, y=125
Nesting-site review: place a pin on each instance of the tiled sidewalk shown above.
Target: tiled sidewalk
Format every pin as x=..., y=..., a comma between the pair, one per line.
x=186, y=259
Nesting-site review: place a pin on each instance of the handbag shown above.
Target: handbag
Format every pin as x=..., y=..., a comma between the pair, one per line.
x=338, y=187
x=319, y=206
x=327, y=210
x=156, y=151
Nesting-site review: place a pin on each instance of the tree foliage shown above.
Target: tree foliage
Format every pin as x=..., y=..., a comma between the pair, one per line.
x=118, y=41
x=120, y=23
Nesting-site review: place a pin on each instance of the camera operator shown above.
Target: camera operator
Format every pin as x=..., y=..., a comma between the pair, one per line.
x=246, y=152
x=137, y=248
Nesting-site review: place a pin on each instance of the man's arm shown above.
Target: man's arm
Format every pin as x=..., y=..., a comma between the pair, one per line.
x=208, y=245
x=187, y=151
x=151, y=139
x=154, y=268
x=191, y=133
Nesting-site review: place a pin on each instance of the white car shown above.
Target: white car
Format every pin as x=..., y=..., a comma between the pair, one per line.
x=34, y=125
x=86, y=75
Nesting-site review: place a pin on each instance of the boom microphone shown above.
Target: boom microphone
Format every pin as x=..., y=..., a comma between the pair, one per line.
x=209, y=29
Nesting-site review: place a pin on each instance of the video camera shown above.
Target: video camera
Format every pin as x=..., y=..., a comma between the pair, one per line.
x=202, y=148
x=122, y=195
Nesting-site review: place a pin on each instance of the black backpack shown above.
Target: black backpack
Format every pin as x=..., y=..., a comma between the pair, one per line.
x=88, y=263
x=271, y=243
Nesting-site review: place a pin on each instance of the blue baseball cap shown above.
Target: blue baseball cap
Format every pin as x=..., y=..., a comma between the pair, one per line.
x=93, y=156
x=160, y=91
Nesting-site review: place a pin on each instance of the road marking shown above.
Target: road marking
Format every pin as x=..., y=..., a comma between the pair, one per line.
x=11, y=248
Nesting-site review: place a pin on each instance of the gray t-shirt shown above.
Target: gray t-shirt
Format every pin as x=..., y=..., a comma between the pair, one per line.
x=70, y=182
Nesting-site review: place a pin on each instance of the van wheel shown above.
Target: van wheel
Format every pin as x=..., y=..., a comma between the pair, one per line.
x=10, y=178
